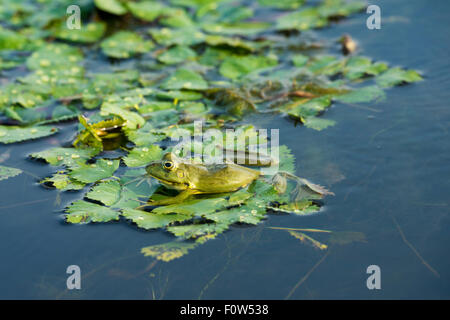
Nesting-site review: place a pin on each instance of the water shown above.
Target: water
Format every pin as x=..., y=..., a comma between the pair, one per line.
x=389, y=169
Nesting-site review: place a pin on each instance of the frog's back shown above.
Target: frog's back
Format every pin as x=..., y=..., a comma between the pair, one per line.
x=220, y=178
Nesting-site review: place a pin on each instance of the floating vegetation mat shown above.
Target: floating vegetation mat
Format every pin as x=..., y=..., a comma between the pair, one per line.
x=138, y=72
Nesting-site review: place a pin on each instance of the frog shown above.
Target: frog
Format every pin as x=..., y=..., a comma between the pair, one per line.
x=191, y=178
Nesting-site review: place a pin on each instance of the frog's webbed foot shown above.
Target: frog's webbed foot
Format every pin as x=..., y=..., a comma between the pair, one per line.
x=303, y=189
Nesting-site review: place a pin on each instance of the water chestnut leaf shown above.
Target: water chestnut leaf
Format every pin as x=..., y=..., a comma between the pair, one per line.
x=63, y=182
x=125, y=44
x=317, y=123
x=146, y=10
x=88, y=33
x=168, y=251
x=185, y=79
x=11, y=134
x=106, y=192
x=111, y=6
x=365, y=94
x=396, y=76
x=8, y=172
x=84, y=212
x=193, y=207
x=65, y=156
x=150, y=220
x=236, y=67
x=141, y=156
x=177, y=54
x=180, y=36
x=194, y=231
x=88, y=173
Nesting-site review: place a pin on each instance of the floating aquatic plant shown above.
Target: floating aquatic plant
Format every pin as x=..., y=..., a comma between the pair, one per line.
x=172, y=62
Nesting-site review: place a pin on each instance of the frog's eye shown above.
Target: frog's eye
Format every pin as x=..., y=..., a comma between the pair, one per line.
x=168, y=165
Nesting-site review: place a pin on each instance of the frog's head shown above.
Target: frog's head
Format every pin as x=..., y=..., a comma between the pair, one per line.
x=170, y=171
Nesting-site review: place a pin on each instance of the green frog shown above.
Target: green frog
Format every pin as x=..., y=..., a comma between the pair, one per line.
x=192, y=178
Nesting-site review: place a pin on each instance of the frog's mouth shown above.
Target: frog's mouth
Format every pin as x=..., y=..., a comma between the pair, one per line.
x=170, y=184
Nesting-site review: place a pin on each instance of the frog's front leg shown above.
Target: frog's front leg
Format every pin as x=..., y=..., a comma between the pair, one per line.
x=183, y=195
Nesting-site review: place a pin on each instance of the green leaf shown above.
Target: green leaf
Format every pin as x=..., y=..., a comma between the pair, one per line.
x=300, y=109
x=168, y=251
x=150, y=220
x=357, y=67
x=236, y=67
x=65, y=156
x=395, y=76
x=185, y=79
x=340, y=8
x=233, y=42
x=287, y=159
x=146, y=10
x=10, y=40
x=301, y=20
x=366, y=94
x=88, y=33
x=8, y=172
x=239, y=28
x=55, y=56
x=300, y=60
x=111, y=6
x=243, y=214
x=193, y=231
x=63, y=182
x=106, y=192
x=11, y=134
x=177, y=54
x=326, y=65
x=285, y=4
x=125, y=44
x=145, y=136
x=181, y=36
x=89, y=173
x=318, y=123
x=84, y=212
x=132, y=119
x=194, y=207
x=141, y=156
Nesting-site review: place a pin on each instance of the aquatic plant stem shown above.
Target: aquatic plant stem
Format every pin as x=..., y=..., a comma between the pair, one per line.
x=414, y=249
x=306, y=276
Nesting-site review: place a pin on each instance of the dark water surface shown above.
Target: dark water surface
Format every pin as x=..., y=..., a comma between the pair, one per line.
x=388, y=166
